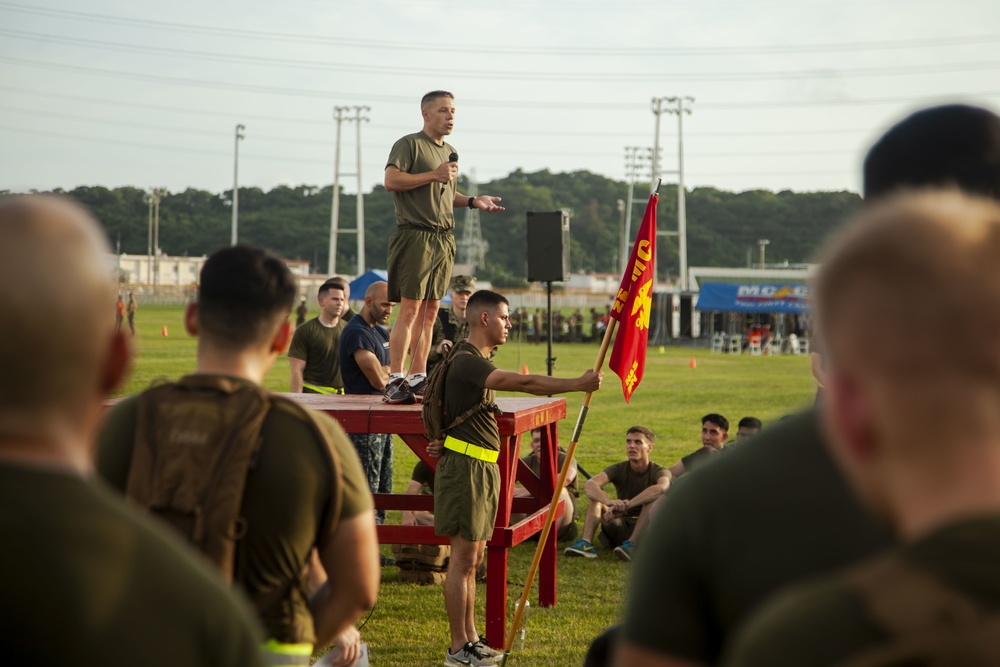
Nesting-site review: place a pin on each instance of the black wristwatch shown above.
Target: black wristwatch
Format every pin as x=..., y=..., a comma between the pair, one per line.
x=472, y=200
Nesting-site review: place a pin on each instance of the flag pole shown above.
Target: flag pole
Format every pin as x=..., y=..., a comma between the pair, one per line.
x=560, y=483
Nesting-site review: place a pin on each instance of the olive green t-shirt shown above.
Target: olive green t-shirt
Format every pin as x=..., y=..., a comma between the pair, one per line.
x=735, y=531
x=86, y=580
x=319, y=347
x=628, y=483
x=426, y=206
x=288, y=503
x=828, y=621
x=534, y=462
x=463, y=388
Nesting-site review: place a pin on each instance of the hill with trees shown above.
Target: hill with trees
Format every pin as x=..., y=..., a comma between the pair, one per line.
x=723, y=226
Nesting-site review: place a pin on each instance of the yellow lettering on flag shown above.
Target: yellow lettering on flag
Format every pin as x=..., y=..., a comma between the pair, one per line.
x=631, y=379
x=642, y=304
x=642, y=250
x=620, y=300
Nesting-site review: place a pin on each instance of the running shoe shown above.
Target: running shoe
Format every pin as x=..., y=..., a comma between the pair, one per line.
x=397, y=392
x=418, y=390
x=483, y=647
x=581, y=548
x=624, y=552
x=466, y=656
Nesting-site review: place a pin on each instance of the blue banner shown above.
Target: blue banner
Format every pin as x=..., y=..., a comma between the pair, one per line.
x=736, y=298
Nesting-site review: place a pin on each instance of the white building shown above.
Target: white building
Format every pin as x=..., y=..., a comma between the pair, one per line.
x=173, y=271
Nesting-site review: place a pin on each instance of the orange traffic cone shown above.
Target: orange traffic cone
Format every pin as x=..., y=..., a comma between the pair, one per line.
x=164, y=332
x=693, y=363
x=524, y=369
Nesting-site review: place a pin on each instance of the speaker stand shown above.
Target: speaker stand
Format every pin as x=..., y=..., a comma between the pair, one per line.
x=550, y=361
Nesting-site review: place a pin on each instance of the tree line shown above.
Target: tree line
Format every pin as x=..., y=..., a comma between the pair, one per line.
x=723, y=227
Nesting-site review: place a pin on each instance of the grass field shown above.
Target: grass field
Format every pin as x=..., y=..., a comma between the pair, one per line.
x=408, y=626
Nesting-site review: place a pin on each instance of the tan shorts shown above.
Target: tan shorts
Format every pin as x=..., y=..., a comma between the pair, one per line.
x=466, y=496
x=420, y=263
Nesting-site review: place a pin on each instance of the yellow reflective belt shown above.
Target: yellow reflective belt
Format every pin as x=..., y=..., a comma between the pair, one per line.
x=322, y=390
x=469, y=449
x=278, y=654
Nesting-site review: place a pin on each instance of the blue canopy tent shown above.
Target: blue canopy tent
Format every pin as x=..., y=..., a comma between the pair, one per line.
x=360, y=284
x=364, y=281
x=769, y=298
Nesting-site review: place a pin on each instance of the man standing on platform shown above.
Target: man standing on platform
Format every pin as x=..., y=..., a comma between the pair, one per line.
x=313, y=360
x=364, y=355
x=450, y=326
x=467, y=481
x=421, y=174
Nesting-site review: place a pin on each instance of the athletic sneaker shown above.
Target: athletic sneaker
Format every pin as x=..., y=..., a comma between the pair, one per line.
x=398, y=392
x=467, y=655
x=418, y=390
x=581, y=548
x=487, y=650
x=624, y=552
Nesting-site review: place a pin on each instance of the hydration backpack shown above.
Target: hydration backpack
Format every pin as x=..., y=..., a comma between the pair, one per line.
x=436, y=420
x=196, y=442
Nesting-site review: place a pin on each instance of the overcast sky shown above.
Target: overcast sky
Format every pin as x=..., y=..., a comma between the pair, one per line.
x=788, y=94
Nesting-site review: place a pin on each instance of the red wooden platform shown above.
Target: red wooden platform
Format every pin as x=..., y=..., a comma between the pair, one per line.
x=368, y=414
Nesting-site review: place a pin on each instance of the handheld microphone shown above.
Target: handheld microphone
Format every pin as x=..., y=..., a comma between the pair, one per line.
x=451, y=158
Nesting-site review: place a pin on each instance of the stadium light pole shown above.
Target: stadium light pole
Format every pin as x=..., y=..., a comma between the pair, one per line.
x=236, y=182
x=763, y=243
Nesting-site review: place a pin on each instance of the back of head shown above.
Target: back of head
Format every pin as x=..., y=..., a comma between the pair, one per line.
x=909, y=299
x=244, y=295
x=947, y=146
x=56, y=310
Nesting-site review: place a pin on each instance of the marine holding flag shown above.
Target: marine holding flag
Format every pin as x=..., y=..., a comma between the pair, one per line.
x=633, y=303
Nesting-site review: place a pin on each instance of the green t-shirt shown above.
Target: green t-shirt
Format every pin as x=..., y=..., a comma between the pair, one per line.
x=463, y=388
x=319, y=347
x=733, y=532
x=628, y=483
x=86, y=580
x=426, y=206
x=828, y=621
x=534, y=462
x=287, y=503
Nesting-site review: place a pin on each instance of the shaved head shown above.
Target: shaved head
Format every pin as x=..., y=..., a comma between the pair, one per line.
x=54, y=349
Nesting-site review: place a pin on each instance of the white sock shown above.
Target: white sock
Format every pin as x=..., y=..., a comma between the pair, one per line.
x=395, y=376
x=415, y=379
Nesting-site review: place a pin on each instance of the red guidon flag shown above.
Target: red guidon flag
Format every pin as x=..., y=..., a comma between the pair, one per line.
x=633, y=303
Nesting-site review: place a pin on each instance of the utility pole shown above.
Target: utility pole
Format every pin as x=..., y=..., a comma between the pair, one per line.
x=360, y=114
x=636, y=157
x=149, y=241
x=763, y=243
x=236, y=182
x=680, y=106
x=157, y=193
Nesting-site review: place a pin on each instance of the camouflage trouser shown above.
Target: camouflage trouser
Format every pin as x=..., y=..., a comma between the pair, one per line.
x=375, y=452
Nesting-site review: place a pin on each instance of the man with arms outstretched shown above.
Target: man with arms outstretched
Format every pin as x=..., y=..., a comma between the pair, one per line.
x=467, y=480
x=422, y=177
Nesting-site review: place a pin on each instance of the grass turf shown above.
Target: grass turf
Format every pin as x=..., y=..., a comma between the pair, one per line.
x=408, y=625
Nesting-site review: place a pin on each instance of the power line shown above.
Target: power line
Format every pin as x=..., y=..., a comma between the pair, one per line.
x=520, y=104
x=590, y=51
x=464, y=130
x=532, y=75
